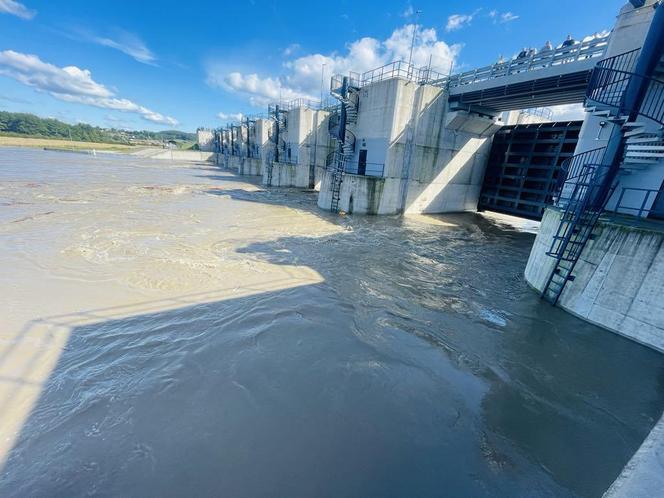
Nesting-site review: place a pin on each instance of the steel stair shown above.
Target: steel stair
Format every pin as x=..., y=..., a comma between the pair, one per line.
x=578, y=220
x=276, y=137
x=348, y=96
x=587, y=182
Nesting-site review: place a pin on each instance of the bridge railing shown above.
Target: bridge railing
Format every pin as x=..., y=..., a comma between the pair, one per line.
x=590, y=49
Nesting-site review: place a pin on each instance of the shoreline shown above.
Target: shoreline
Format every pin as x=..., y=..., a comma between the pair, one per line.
x=66, y=145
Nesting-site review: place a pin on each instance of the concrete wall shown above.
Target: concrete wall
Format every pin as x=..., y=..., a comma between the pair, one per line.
x=205, y=140
x=307, y=145
x=360, y=194
x=177, y=155
x=434, y=160
x=619, y=280
x=448, y=162
x=234, y=163
x=260, y=138
x=251, y=166
x=283, y=175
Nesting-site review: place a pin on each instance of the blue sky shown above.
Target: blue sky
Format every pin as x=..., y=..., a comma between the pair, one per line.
x=159, y=65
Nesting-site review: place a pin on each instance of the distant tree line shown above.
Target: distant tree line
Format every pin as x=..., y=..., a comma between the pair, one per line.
x=29, y=124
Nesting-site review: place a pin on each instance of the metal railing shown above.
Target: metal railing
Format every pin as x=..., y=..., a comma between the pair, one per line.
x=590, y=49
x=368, y=169
x=336, y=81
x=611, y=78
x=653, y=103
x=289, y=105
x=541, y=112
x=586, y=188
x=354, y=168
x=572, y=169
x=639, y=202
x=607, y=86
x=400, y=69
x=622, y=62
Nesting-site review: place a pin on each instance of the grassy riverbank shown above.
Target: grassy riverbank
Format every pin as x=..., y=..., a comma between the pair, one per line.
x=13, y=141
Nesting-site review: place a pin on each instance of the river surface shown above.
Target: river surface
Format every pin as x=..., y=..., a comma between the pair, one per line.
x=176, y=330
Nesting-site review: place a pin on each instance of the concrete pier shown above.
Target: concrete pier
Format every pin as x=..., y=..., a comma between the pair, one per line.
x=418, y=156
x=304, y=144
x=619, y=278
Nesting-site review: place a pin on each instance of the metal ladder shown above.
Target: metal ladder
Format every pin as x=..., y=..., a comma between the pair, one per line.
x=345, y=138
x=337, y=179
x=577, y=222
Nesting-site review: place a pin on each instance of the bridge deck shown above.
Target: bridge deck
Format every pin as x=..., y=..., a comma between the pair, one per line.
x=552, y=77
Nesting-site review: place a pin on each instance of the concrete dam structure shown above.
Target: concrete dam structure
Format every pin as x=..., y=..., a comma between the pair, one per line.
x=401, y=139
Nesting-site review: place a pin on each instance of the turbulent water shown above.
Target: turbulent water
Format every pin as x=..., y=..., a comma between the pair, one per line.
x=176, y=330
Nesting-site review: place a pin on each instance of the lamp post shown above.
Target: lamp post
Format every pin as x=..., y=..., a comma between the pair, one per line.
x=412, y=42
x=322, y=83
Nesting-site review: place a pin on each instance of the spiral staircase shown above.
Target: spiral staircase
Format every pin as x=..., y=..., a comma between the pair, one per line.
x=343, y=90
x=280, y=117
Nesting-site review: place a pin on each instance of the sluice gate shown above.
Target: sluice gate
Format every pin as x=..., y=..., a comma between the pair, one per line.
x=524, y=166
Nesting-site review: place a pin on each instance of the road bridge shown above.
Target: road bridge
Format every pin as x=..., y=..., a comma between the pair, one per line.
x=548, y=78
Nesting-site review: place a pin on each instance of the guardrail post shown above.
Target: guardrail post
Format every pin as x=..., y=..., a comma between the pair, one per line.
x=645, y=200
x=620, y=197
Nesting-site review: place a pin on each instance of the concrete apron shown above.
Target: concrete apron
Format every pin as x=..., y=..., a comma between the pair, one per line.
x=643, y=476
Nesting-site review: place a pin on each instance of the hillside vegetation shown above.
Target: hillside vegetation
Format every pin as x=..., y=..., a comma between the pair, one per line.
x=29, y=125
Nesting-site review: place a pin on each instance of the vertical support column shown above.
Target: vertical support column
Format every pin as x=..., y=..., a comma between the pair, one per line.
x=276, y=133
x=342, y=116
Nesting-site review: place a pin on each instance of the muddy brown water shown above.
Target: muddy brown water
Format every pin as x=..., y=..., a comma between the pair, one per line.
x=176, y=330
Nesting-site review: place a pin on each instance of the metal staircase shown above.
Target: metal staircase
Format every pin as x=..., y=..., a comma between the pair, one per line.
x=276, y=137
x=583, y=204
x=346, y=91
x=588, y=180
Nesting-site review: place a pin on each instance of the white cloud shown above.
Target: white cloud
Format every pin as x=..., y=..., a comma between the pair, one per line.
x=259, y=90
x=16, y=9
x=291, y=49
x=508, y=17
x=408, y=12
x=502, y=17
x=237, y=116
x=125, y=42
x=568, y=112
x=458, y=21
x=302, y=75
x=70, y=84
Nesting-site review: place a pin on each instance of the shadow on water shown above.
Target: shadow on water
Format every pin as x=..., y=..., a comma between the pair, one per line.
x=421, y=366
